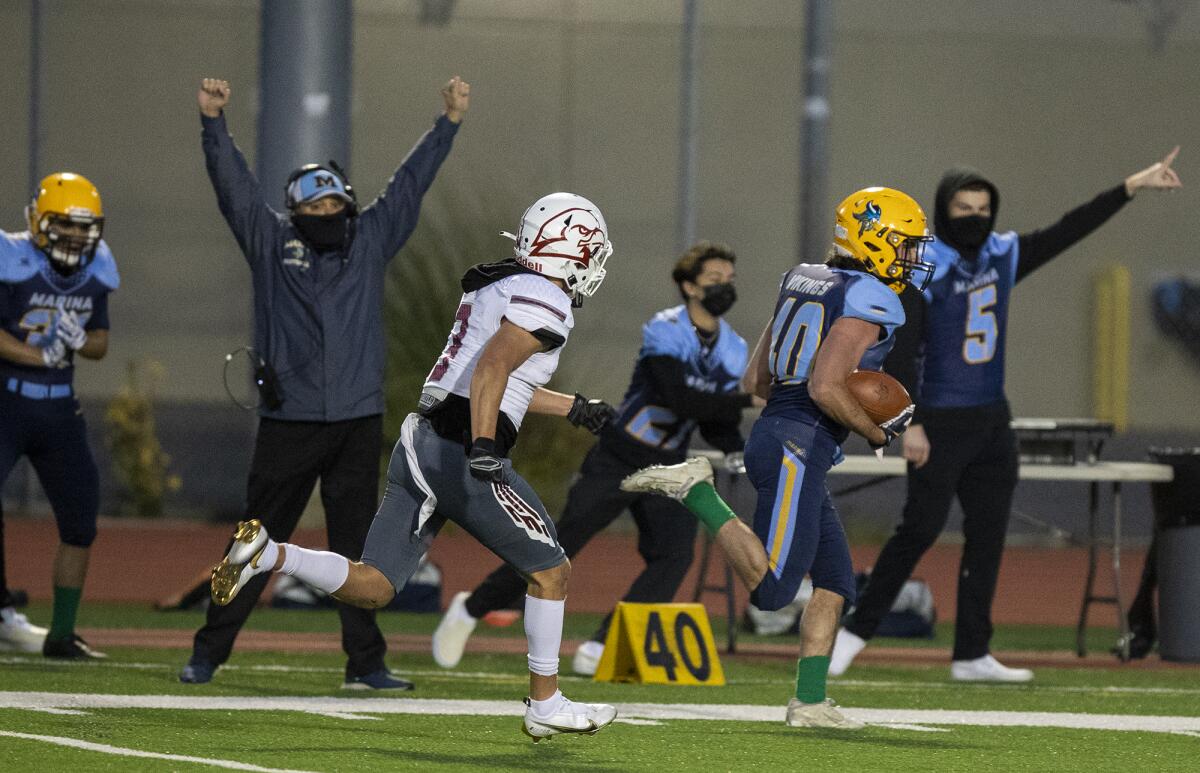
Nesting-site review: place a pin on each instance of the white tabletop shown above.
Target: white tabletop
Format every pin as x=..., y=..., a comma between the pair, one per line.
x=1100, y=471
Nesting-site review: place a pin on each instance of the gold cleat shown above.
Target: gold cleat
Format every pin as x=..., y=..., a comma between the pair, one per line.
x=241, y=562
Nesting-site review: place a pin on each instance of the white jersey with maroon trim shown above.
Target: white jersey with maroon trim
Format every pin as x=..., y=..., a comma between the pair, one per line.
x=531, y=302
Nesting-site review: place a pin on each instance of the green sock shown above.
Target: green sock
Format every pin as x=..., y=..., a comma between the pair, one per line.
x=66, y=604
x=810, y=678
x=707, y=505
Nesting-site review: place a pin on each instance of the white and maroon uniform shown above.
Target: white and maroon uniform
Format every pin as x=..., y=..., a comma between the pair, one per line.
x=428, y=477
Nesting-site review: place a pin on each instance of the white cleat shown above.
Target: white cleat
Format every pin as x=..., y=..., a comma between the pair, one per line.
x=17, y=634
x=987, y=669
x=569, y=717
x=587, y=658
x=241, y=562
x=845, y=648
x=674, y=480
x=823, y=714
x=450, y=637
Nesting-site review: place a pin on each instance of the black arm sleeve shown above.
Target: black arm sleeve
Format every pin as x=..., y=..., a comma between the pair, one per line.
x=669, y=378
x=905, y=360
x=1036, y=248
x=725, y=437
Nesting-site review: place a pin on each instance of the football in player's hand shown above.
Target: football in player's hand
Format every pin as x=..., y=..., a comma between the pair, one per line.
x=881, y=396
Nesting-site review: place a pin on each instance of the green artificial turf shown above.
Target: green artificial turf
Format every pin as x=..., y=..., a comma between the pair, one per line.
x=302, y=741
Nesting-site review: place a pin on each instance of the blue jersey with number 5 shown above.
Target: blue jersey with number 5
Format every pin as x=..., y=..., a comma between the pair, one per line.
x=811, y=299
x=966, y=314
x=33, y=295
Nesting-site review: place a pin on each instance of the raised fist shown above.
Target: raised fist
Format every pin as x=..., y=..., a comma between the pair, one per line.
x=213, y=96
x=457, y=94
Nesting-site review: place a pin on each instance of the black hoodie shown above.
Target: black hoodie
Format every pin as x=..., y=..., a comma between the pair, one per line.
x=953, y=181
x=1034, y=250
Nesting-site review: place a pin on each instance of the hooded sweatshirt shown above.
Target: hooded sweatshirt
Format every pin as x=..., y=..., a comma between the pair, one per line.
x=983, y=404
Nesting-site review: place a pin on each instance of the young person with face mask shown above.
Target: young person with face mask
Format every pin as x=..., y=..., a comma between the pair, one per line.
x=685, y=378
x=950, y=356
x=318, y=323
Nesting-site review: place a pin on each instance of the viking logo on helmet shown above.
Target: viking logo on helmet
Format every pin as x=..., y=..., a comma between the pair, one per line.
x=869, y=217
x=574, y=234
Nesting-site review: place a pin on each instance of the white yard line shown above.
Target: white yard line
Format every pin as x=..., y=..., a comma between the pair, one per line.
x=515, y=677
x=104, y=748
x=348, y=707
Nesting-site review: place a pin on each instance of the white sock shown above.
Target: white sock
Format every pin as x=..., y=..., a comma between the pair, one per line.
x=270, y=555
x=547, y=707
x=543, y=629
x=319, y=568
x=845, y=647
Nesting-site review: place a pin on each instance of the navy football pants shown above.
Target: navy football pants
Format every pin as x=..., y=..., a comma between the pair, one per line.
x=795, y=517
x=53, y=434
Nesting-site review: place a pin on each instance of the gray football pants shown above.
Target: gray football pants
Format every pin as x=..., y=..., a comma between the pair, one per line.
x=429, y=483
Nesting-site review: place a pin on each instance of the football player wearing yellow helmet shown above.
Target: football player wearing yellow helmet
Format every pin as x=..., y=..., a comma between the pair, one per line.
x=950, y=356
x=54, y=286
x=883, y=231
x=66, y=219
x=828, y=321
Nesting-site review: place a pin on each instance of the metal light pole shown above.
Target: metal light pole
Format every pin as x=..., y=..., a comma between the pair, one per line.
x=305, y=80
x=688, y=118
x=815, y=227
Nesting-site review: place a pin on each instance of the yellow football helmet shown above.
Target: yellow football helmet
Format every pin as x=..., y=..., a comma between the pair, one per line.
x=885, y=231
x=66, y=220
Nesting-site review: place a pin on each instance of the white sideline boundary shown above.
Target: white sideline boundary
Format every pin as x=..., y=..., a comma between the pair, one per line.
x=362, y=708
x=103, y=748
x=522, y=678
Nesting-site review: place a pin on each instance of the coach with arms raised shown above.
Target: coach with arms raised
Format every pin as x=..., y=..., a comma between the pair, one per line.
x=318, y=275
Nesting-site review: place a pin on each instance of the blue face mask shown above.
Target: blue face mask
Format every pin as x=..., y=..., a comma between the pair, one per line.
x=324, y=233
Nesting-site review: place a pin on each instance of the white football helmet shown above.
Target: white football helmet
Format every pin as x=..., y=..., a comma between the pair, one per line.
x=564, y=236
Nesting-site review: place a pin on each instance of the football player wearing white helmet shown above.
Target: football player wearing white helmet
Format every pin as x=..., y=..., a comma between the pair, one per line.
x=451, y=461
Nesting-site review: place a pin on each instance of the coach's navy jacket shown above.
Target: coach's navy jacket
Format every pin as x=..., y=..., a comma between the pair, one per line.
x=318, y=319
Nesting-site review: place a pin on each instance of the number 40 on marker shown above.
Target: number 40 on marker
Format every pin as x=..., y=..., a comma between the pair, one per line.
x=660, y=644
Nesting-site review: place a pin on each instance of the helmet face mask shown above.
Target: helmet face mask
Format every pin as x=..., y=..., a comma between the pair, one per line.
x=564, y=236
x=885, y=232
x=66, y=221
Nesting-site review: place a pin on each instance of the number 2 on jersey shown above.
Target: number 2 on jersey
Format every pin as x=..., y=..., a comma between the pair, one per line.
x=795, y=337
x=979, y=346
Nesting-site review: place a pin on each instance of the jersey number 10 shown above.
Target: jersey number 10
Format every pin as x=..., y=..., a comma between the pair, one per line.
x=795, y=337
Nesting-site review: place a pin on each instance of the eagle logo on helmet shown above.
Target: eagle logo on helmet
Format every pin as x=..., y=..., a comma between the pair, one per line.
x=869, y=217
x=574, y=234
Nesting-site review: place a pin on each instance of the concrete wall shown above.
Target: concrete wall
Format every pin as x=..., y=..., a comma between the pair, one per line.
x=1054, y=100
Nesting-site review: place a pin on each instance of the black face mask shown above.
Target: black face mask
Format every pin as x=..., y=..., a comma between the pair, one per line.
x=968, y=232
x=718, y=299
x=324, y=232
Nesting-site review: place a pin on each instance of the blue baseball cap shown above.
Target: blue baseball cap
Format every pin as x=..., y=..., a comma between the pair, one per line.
x=317, y=182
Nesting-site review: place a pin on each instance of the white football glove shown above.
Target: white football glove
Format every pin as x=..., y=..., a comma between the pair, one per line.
x=69, y=331
x=54, y=354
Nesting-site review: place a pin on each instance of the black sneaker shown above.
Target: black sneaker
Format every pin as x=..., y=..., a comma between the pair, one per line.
x=377, y=680
x=73, y=648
